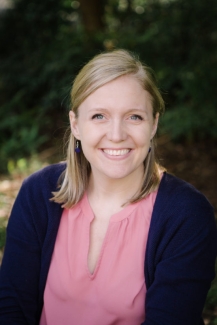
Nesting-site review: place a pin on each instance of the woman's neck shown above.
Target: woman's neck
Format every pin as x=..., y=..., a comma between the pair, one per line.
x=114, y=192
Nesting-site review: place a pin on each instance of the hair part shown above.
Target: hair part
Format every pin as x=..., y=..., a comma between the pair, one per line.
x=102, y=69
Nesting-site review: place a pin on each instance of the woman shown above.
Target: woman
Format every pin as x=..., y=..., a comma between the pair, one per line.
x=119, y=241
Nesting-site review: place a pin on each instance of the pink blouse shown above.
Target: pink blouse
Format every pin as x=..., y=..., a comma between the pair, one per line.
x=115, y=293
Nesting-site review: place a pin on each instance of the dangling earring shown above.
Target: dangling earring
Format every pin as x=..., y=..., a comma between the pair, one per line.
x=78, y=147
x=149, y=150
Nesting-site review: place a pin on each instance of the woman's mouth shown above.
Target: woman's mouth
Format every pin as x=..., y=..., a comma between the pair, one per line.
x=116, y=152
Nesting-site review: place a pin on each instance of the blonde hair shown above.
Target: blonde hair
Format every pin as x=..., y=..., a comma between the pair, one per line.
x=102, y=69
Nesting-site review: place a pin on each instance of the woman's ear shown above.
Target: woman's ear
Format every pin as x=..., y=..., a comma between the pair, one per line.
x=74, y=125
x=155, y=125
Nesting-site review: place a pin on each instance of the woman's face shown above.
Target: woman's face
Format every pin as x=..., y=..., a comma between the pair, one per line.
x=115, y=125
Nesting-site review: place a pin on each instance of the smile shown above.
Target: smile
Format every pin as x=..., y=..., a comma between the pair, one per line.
x=119, y=152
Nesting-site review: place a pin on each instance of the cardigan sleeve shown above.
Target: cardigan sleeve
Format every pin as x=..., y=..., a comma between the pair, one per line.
x=181, y=255
x=23, y=262
x=20, y=268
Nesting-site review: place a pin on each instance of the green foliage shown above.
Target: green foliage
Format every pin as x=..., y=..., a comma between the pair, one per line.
x=188, y=123
x=179, y=40
x=3, y=224
x=41, y=55
x=211, y=301
x=43, y=45
x=24, y=167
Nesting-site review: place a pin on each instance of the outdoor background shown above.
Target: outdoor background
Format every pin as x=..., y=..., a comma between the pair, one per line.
x=44, y=43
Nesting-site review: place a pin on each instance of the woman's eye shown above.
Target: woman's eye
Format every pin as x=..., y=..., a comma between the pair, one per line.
x=136, y=117
x=97, y=117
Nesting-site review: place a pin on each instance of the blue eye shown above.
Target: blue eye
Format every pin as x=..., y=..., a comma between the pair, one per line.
x=136, y=117
x=97, y=116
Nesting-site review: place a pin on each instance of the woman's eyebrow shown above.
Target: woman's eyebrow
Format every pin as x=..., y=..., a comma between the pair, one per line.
x=98, y=109
x=130, y=110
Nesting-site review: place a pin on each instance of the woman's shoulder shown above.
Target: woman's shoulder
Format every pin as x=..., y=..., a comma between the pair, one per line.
x=39, y=185
x=34, y=196
x=179, y=204
x=48, y=176
x=181, y=212
x=175, y=191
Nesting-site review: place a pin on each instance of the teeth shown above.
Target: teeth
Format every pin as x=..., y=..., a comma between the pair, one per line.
x=116, y=152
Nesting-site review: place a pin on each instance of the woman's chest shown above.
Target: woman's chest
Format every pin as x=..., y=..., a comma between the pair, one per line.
x=116, y=285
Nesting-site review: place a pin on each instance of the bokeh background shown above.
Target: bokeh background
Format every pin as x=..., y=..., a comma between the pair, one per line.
x=44, y=43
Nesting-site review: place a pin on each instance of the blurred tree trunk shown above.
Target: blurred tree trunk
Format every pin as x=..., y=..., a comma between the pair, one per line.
x=92, y=12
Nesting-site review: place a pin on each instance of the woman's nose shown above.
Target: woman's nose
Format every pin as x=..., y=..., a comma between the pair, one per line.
x=117, y=131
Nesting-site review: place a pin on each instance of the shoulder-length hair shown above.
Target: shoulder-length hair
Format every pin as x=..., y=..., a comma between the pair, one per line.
x=102, y=69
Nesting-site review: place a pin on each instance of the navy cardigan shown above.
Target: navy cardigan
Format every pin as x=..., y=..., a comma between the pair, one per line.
x=179, y=260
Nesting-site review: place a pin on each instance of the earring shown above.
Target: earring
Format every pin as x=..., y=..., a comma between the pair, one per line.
x=78, y=147
x=149, y=150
